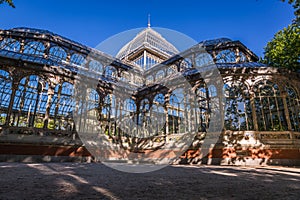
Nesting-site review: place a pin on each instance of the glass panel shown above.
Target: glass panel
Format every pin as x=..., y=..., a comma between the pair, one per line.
x=226, y=56
x=269, y=107
x=77, y=59
x=57, y=53
x=293, y=104
x=5, y=94
x=204, y=59
x=30, y=102
x=10, y=44
x=34, y=48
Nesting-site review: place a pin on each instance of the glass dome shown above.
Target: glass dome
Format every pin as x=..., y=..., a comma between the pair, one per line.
x=146, y=49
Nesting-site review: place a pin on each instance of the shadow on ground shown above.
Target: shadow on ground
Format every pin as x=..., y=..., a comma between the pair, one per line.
x=96, y=181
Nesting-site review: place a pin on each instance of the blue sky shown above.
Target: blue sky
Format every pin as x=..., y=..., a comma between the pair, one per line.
x=253, y=22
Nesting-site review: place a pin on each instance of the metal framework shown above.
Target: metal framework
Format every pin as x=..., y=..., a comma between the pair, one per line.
x=38, y=71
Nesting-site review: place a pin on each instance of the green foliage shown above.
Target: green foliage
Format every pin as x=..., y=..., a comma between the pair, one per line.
x=10, y=2
x=2, y=120
x=284, y=49
x=51, y=124
x=39, y=123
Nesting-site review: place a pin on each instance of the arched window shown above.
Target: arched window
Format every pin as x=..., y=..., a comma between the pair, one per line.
x=129, y=106
x=125, y=77
x=226, y=56
x=138, y=80
x=144, y=113
x=176, y=110
x=77, y=59
x=212, y=91
x=203, y=103
x=57, y=53
x=149, y=79
x=110, y=72
x=159, y=99
x=293, y=104
x=158, y=114
x=186, y=64
x=93, y=99
x=109, y=114
x=89, y=112
x=54, y=102
x=5, y=94
x=214, y=109
x=62, y=107
x=128, y=118
x=269, y=107
x=203, y=59
x=96, y=66
x=237, y=107
x=66, y=101
x=10, y=44
x=171, y=70
x=34, y=48
x=30, y=102
x=160, y=75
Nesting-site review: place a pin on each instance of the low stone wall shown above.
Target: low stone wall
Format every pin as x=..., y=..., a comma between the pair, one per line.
x=233, y=148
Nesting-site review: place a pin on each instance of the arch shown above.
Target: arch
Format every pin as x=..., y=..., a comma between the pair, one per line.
x=129, y=117
x=62, y=107
x=88, y=111
x=30, y=102
x=204, y=59
x=158, y=114
x=5, y=94
x=10, y=44
x=212, y=91
x=176, y=109
x=144, y=113
x=171, y=70
x=66, y=101
x=159, y=99
x=149, y=79
x=129, y=105
x=203, y=100
x=237, y=107
x=110, y=72
x=269, y=107
x=96, y=66
x=57, y=53
x=125, y=76
x=186, y=63
x=108, y=114
x=293, y=105
x=138, y=80
x=160, y=75
x=93, y=99
x=109, y=106
x=77, y=59
x=34, y=48
x=226, y=56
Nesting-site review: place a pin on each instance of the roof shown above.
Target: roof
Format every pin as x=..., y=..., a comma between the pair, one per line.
x=148, y=38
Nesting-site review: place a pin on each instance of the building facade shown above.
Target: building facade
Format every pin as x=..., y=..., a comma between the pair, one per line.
x=40, y=70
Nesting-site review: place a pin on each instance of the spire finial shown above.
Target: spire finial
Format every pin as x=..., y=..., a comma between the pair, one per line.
x=149, y=25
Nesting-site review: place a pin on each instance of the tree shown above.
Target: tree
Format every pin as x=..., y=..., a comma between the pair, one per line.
x=10, y=2
x=284, y=49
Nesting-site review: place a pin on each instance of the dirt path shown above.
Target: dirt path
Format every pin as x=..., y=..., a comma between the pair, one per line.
x=96, y=181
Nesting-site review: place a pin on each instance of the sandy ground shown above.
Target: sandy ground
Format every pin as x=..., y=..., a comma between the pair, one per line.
x=96, y=181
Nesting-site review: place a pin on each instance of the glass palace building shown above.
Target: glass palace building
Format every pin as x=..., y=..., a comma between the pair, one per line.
x=259, y=105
